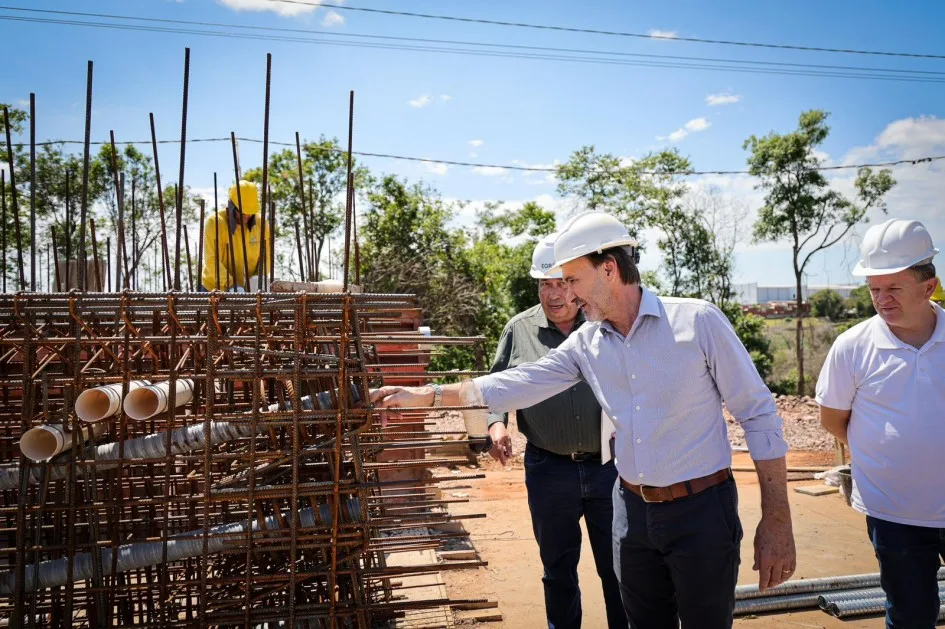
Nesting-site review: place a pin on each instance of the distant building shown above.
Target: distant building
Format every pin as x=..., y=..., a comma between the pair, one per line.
x=754, y=293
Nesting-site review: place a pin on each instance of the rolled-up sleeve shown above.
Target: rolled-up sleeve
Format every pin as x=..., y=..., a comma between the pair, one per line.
x=744, y=392
x=530, y=383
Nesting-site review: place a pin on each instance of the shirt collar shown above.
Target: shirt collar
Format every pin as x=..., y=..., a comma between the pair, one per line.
x=883, y=338
x=649, y=306
x=541, y=321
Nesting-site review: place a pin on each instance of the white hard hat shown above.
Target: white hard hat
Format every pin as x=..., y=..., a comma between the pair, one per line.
x=543, y=258
x=893, y=246
x=589, y=232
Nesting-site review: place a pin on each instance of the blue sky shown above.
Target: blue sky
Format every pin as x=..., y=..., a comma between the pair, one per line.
x=520, y=111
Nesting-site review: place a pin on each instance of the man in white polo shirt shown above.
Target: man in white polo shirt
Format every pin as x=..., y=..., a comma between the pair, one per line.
x=882, y=391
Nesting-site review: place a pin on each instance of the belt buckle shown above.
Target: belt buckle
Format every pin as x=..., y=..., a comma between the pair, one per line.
x=577, y=457
x=643, y=494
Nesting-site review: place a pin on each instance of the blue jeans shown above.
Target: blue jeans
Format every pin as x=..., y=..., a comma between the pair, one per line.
x=908, y=562
x=560, y=492
x=678, y=561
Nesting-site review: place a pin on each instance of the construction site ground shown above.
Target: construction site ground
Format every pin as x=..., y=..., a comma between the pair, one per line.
x=830, y=537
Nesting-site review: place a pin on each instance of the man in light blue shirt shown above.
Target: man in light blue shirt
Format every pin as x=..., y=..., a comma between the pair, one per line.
x=661, y=369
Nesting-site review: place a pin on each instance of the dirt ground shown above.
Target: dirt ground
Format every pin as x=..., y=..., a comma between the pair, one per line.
x=830, y=537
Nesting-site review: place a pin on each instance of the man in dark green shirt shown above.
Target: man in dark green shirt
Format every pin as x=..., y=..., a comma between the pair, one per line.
x=564, y=475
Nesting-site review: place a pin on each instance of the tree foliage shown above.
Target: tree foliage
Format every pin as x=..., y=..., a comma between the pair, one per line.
x=799, y=204
x=827, y=303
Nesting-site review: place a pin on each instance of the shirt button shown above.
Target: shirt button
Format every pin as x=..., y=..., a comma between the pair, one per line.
x=577, y=417
x=633, y=376
x=638, y=407
x=574, y=389
x=640, y=474
x=639, y=440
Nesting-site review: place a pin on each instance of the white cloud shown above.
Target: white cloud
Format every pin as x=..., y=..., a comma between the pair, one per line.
x=333, y=18
x=420, y=102
x=476, y=143
x=436, y=168
x=722, y=99
x=659, y=34
x=22, y=102
x=472, y=154
x=284, y=9
x=489, y=171
x=445, y=98
x=693, y=126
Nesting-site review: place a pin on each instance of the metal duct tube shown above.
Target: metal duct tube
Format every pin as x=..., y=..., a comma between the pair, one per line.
x=94, y=405
x=42, y=443
x=150, y=400
x=820, y=585
x=143, y=554
x=824, y=600
x=775, y=603
x=862, y=604
x=183, y=439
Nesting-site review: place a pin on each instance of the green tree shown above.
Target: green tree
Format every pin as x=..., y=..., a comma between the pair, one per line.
x=860, y=301
x=799, y=204
x=750, y=329
x=827, y=303
x=502, y=267
x=408, y=246
x=324, y=170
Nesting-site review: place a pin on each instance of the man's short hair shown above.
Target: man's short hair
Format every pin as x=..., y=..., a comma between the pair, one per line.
x=924, y=271
x=623, y=256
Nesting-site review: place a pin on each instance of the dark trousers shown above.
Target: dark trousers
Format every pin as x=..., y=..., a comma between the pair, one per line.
x=678, y=561
x=560, y=492
x=908, y=562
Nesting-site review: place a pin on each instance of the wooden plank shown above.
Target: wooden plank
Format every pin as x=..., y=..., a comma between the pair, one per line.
x=470, y=605
x=457, y=555
x=817, y=490
x=481, y=616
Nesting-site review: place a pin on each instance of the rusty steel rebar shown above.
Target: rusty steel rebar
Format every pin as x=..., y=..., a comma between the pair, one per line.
x=271, y=492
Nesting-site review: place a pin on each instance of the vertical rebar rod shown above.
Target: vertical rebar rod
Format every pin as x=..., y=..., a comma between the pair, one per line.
x=134, y=236
x=190, y=271
x=120, y=204
x=3, y=227
x=13, y=198
x=48, y=267
x=32, y=192
x=68, y=231
x=108, y=261
x=239, y=223
x=165, y=253
x=265, y=174
x=180, y=180
x=350, y=184
x=203, y=207
x=310, y=245
x=298, y=242
x=307, y=264
x=298, y=157
x=354, y=234
x=216, y=223
x=55, y=247
x=84, y=208
x=98, y=272
x=272, y=231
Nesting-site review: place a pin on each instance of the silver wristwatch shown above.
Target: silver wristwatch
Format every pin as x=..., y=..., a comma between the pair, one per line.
x=437, y=394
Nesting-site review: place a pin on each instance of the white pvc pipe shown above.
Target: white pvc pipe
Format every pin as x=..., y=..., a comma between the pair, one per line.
x=152, y=399
x=42, y=443
x=94, y=405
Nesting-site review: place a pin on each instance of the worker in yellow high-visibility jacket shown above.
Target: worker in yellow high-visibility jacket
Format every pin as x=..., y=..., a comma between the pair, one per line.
x=223, y=251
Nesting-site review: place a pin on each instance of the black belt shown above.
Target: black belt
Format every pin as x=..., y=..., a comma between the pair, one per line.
x=577, y=457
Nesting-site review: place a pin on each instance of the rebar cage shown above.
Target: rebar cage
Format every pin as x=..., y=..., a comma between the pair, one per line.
x=255, y=491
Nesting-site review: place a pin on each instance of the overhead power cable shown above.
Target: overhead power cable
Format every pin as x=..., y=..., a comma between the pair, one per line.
x=488, y=45
x=592, y=31
x=512, y=167
x=615, y=59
